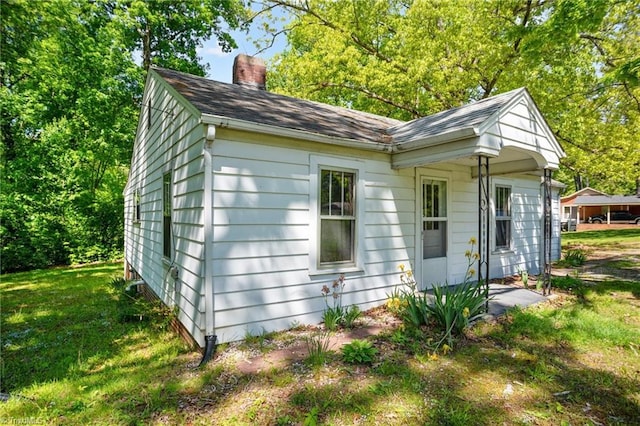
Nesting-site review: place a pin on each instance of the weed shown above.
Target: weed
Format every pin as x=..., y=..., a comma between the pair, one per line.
x=575, y=257
x=359, y=352
x=568, y=283
x=317, y=348
x=262, y=339
x=524, y=277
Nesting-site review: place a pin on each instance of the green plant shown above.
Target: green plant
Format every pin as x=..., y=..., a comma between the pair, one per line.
x=575, y=257
x=332, y=317
x=524, y=277
x=317, y=348
x=351, y=315
x=335, y=314
x=359, y=352
x=454, y=307
x=411, y=305
x=567, y=283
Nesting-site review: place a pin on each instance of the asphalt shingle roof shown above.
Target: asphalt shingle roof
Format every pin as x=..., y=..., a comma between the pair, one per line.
x=259, y=106
x=263, y=107
x=464, y=117
x=606, y=200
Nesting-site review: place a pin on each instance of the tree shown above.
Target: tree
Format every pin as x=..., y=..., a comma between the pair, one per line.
x=70, y=92
x=405, y=59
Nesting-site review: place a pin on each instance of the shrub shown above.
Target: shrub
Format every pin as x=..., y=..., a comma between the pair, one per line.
x=359, y=352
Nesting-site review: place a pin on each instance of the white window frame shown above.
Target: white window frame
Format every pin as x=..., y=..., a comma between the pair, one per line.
x=496, y=217
x=167, y=207
x=318, y=163
x=137, y=202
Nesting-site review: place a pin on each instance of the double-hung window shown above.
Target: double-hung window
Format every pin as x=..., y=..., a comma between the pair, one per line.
x=166, y=215
x=336, y=191
x=503, y=217
x=136, y=206
x=337, y=216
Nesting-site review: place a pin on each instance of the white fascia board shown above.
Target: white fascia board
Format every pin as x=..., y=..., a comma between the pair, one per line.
x=442, y=138
x=249, y=126
x=442, y=153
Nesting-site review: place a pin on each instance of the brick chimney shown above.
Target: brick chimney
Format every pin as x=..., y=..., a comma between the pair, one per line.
x=250, y=72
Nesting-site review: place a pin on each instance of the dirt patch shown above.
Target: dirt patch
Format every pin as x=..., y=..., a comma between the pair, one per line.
x=278, y=353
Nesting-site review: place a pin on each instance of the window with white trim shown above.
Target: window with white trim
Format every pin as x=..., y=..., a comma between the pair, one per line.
x=336, y=191
x=136, y=205
x=166, y=215
x=503, y=217
x=337, y=216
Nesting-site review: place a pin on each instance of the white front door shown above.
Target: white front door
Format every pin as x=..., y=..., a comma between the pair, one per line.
x=434, y=232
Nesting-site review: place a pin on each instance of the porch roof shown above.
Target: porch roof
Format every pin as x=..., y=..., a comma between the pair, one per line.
x=507, y=128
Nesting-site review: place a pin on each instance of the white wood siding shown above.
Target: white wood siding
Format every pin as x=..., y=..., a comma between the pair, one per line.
x=173, y=143
x=261, y=222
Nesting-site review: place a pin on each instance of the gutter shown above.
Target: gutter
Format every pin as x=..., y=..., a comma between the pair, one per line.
x=207, y=200
x=236, y=124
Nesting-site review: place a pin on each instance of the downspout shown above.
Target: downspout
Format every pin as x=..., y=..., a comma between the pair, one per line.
x=210, y=338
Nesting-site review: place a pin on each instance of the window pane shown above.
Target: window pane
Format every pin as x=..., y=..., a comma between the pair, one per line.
x=503, y=207
x=337, y=193
x=166, y=213
x=503, y=233
x=434, y=239
x=434, y=196
x=336, y=240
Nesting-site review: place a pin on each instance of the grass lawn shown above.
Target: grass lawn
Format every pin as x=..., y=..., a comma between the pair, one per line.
x=69, y=358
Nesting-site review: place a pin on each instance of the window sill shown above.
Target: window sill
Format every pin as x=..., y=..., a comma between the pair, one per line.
x=503, y=252
x=336, y=270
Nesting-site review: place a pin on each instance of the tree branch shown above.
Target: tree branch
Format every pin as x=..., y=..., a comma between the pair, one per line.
x=415, y=113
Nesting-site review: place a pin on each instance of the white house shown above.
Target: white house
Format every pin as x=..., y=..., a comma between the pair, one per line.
x=241, y=204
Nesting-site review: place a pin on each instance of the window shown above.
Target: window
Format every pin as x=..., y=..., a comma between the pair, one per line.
x=336, y=205
x=166, y=215
x=434, y=219
x=136, y=205
x=503, y=216
x=337, y=216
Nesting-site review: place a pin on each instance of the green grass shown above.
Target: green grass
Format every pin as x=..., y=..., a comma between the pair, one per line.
x=66, y=354
x=68, y=359
x=602, y=238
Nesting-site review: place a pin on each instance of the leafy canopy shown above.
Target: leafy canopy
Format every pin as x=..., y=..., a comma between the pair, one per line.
x=407, y=59
x=70, y=89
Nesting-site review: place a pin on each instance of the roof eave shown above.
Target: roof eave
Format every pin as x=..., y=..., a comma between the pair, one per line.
x=249, y=126
x=441, y=138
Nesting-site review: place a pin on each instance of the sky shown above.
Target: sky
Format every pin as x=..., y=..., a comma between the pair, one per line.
x=221, y=64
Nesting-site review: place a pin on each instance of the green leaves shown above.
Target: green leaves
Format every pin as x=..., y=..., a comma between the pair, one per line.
x=70, y=90
x=400, y=59
x=359, y=352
